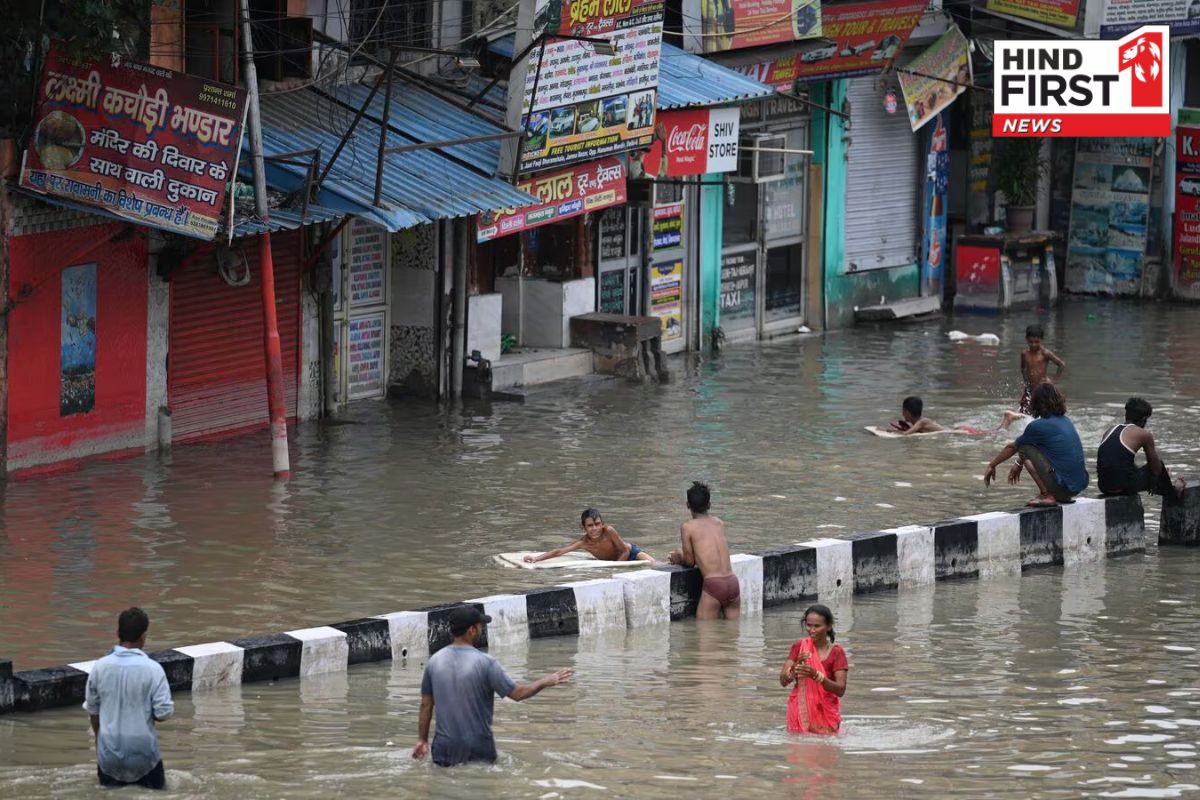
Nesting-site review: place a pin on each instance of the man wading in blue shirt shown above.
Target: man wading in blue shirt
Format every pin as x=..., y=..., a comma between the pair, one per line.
x=126, y=694
x=1049, y=450
x=463, y=682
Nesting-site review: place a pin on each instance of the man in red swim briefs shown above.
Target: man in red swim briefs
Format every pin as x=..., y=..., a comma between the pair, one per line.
x=704, y=546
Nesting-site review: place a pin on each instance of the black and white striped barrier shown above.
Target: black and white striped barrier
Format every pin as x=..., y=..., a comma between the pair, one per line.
x=981, y=546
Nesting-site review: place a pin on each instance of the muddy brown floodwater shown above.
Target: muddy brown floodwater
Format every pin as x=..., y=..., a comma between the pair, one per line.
x=1075, y=683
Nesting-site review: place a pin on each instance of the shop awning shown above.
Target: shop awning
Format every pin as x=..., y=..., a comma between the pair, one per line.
x=686, y=80
x=419, y=186
x=281, y=219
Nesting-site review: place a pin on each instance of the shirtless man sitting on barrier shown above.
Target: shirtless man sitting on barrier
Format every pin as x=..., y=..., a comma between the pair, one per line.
x=704, y=546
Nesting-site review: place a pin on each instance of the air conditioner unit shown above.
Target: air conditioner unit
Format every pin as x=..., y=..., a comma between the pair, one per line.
x=759, y=161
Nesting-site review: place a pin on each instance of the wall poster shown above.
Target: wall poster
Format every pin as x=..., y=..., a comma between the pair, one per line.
x=937, y=184
x=1110, y=207
x=738, y=287
x=1187, y=197
x=666, y=297
x=368, y=264
x=365, y=342
x=668, y=227
x=78, y=364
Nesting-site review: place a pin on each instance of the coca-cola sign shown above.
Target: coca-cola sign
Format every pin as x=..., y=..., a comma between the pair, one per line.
x=693, y=143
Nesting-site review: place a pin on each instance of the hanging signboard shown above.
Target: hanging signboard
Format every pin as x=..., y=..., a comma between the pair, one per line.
x=564, y=194
x=718, y=26
x=865, y=38
x=666, y=297
x=367, y=264
x=1126, y=16
x=590, y=106
x=688, y=143
x=1060, y=13
x=144, y=143
x=1187, y=197
x=935, y=79
x=1110, y=207
x=365, y=342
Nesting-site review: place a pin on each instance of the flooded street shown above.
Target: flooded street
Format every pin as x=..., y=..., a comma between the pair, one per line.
x=1063, y=683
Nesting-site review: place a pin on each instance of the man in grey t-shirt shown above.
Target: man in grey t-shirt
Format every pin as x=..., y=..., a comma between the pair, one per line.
x=463, y=683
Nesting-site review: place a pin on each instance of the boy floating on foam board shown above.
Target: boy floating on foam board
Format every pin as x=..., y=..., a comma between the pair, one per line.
x=914, y=422
x=599, y=539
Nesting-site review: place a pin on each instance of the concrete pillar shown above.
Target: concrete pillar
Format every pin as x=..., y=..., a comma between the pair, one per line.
x=1181, y=521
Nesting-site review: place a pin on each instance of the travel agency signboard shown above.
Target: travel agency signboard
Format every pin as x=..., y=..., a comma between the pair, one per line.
x=1187, y=197
x=717, y=26
x=866, y=37
x=144, y=143
x=590, y=106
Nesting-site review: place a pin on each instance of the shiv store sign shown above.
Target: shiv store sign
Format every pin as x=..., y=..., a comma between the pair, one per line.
x=1084, y=88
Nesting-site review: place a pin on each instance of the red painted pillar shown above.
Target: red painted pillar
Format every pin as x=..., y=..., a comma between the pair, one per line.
x=279, y=443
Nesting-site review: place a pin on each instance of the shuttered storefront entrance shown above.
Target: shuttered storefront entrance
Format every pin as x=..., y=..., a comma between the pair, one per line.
x=217, y=370
x=883, y=222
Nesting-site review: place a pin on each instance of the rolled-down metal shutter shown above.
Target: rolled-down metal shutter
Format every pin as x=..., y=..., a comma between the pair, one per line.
x=883, y=227
x=217, y=375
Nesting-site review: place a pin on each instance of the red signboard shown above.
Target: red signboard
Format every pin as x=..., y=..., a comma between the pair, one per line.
x=1187, y=197
x=564, y=194
x=692, y=142
x=150, y=145
x=866, y=37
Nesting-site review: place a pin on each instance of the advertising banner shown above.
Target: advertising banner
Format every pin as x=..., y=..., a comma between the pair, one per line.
x=1187, y=197
x=689, y=143
x=666, y=297
x=937, y=184
x=733, y=24
x=935, y=79
x=150, y=145
x=1110, y=207
x=1121, y=17
x=866, y=37
x=368, y=264
x=1060, y=13
x=590, y=106
x=365, y=335
x=564, y=194
x=737, y=287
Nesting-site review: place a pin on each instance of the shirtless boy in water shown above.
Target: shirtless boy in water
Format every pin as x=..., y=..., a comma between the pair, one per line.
x=602, y=541
x=704, y=546
x=913, y=422
x=1035, y=363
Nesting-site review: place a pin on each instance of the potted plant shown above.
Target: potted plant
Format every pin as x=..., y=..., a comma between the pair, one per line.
x=1020, y=165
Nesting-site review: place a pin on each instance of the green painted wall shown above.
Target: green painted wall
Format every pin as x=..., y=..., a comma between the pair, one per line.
x=712, y=210
x=844, y=291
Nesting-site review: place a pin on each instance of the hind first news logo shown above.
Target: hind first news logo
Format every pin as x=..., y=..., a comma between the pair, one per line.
x=1084, y=88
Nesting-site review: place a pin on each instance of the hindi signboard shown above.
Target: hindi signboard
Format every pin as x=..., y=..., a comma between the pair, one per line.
x=1060, y=13
x=590, y=106
x=666, y=297
x=564, y=194
x=717, y=26
x=1126, y=16
x=1187, y=197
x=145, y=143
x=865, y=38
x=935, y=79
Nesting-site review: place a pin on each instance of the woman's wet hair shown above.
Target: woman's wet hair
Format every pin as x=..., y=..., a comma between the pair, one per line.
x=699, y=497
x=1137, y=410
x=1047, y=401
x=824, y=611
x=593, y=513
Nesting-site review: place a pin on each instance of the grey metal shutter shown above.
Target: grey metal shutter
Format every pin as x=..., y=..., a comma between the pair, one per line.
x=883, y=220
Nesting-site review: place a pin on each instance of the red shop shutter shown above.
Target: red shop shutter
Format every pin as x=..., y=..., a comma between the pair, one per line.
x=217, y=383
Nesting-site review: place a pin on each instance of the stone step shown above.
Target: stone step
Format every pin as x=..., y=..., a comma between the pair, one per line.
x=530, y=372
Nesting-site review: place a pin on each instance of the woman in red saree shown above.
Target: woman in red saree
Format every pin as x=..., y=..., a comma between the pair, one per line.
x=818, y=667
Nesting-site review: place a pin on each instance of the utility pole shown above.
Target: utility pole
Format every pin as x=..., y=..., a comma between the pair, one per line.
x=266, y=267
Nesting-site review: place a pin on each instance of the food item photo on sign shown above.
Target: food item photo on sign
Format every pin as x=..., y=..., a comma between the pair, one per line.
x=59, y=140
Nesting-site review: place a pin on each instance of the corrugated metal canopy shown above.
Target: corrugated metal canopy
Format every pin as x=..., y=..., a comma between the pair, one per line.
x=685, y=80
x=419, y=187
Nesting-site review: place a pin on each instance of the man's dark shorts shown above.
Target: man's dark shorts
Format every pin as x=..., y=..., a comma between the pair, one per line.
x=154, y=779
x=1037, y=462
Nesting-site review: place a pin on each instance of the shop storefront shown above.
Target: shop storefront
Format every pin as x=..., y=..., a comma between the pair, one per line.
x=763, y=277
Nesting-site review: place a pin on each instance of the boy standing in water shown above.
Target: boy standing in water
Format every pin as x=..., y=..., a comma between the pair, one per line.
x=602, y=541
x=704, y=546
x=1035, y=362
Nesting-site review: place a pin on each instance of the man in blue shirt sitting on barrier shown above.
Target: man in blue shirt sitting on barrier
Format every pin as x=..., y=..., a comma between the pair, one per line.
x=127, y=693
x=1049, y=449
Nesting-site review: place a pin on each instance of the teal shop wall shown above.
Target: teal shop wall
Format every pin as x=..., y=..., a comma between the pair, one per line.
x=844, y=291
x=712, y=211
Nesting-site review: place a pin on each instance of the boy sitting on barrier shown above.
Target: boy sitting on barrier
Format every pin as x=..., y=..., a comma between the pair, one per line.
x=599, y=539
x=912, y=421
